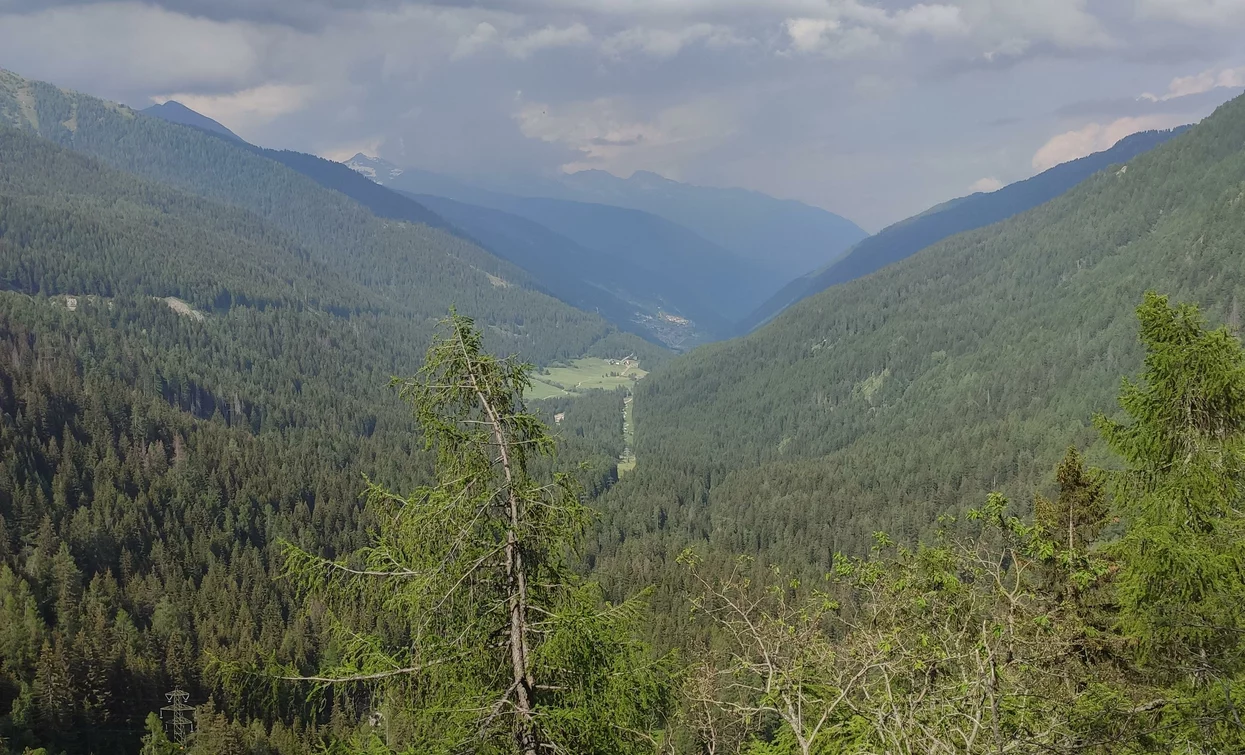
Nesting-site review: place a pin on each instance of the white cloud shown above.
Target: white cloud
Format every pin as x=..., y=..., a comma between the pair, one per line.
x=830, y=37
x=1006, y=28
x=484, y=35
x=607, y=133
x=935, y=20
x=847, y=28
x=244, y=110
x=1095, y=137
x=1199, y=83
x=987, y=184
x=550, y=36
x=992, y=28
x=666, y=43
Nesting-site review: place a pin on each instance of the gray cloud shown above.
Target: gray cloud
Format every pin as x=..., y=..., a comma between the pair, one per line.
x=873, y=108
x=1120, y=107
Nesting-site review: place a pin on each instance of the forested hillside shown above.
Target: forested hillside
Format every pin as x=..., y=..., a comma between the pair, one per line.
x=634, y=269
x=175, y=112
x=199, y=343
x=968, y=367
x=419, y=270
x=909, y=236
x=563, y=267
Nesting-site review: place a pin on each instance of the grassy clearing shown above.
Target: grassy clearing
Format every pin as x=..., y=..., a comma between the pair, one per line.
x=584, y=375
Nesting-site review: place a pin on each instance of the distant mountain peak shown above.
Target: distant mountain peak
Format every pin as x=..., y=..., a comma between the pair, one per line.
x=375, y=168
x=175, y=112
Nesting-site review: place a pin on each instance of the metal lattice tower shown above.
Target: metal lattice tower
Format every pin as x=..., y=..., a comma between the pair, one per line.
x=182, y=726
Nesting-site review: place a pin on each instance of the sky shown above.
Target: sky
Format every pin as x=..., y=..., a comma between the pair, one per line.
x=874, y=109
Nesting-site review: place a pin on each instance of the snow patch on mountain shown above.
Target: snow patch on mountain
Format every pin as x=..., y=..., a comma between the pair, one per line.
x=380, y=171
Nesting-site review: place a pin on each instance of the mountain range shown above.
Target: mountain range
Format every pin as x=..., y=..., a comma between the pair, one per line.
x=675, y=282
x=908, y=237
x=785, y=237
x=336, y=221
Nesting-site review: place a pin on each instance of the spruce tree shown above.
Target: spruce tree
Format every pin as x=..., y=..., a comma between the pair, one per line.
x=464, y=625
x=1181, y=581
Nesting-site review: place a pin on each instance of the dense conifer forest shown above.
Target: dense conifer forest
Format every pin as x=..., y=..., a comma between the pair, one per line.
x=264, y=440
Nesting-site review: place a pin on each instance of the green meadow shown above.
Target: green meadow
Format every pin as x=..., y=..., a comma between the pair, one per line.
x=584, y=375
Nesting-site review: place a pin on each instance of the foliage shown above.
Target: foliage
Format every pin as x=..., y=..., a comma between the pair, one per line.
x=1181, y=581
x=484, y=639
x=1025, y=638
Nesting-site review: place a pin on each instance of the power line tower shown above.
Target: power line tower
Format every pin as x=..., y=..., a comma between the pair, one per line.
x=182, y=727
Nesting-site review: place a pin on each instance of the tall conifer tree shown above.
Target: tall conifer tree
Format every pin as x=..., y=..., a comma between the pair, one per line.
x=484, y=640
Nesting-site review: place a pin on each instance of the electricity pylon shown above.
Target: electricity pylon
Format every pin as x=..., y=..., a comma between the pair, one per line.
x=182, y=726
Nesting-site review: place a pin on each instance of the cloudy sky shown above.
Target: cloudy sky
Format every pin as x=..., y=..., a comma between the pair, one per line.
x=875, y=109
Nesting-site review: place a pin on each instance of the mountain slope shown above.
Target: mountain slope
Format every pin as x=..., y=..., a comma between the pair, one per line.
x=353, y=181
x=155, y=452
x=787, y=236
x=784, y=237
x=659, y=267
x=656, y=268
x=561, y=265
x=382, y=202
x=636, y=246
x=143, y=238
x=417, y=270
x=907, y=237
x=966, y=367
x=175, y=112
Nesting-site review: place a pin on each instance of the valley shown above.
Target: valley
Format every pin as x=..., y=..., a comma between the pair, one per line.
x=360, y=457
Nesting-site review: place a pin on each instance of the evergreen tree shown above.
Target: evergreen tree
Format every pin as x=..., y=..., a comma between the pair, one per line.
x=1181, y=581
x=484, y=640
x=155, y=741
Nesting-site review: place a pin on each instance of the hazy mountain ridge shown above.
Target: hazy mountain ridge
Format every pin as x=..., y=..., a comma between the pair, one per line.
x=175, y=112
x=785, y=236
x=661, y=268
x=909, y=236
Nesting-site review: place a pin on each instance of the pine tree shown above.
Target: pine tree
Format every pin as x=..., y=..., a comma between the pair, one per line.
x=1181, y=581
x=1069, y=525
x=155, y=741
x=485, y=640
